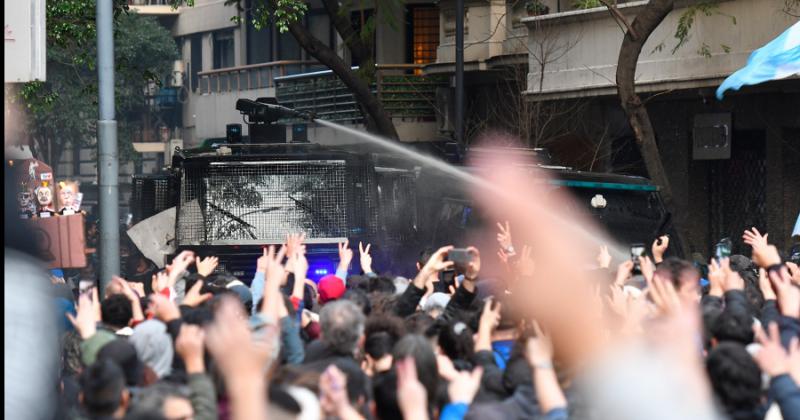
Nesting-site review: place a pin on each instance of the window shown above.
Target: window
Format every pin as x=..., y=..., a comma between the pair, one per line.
x=360, y=19
x=424, y=34
x=223, y=49
x=288, y=48
x=196, y=59
x=259, y=43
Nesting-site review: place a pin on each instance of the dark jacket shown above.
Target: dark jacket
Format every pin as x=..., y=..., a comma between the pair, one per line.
x=408, y=302
x=203, y=396
x=786, y=393
x=521, y=405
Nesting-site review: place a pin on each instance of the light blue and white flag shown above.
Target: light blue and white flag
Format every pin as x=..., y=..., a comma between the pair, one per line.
x=797, y=227
x=777, y=60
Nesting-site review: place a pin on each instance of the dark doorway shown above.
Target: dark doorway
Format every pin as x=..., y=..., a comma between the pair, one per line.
x=738, y=190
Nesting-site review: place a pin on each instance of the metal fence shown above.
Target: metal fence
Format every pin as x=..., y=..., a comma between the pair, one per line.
x=254, y=76
x=403, y=93
x=152, y=194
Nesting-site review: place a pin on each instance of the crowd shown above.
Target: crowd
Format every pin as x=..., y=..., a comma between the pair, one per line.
x=194, y=342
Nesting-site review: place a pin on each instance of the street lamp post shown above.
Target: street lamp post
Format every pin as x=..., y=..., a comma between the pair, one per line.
x=107, y=156
x=459, y=105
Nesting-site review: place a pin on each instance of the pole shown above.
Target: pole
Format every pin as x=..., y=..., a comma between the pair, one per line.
x=107, y=157
x=459, y=105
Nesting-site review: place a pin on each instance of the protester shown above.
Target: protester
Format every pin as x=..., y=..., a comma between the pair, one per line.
x=550, y=339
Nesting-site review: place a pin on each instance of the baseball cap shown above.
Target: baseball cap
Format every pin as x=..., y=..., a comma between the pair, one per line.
x=330, y=288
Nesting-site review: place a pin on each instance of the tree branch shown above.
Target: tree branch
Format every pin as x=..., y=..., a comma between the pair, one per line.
x=370, y=105
x=615, y=13
x=361, y=52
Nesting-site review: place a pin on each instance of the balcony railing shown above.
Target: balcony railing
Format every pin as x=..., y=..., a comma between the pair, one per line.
x=149, y=2
x=403, y=92
x=253, y=76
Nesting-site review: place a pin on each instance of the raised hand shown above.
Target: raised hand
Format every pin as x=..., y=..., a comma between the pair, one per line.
x=539, y=349
x=160, y=281
x=788, y=294
x=490, y=319
x=206, y=266
x=262, y=262
x=659, y=247
x=333, y=395
x=276, y=272
x=84, y=321
x=765, y=286
x=624, y=270
x=526, y=265
x=232, y=345
x=163, y=309
x=603, y=257
x=242, y=358
x=189, y=345
x=665, y=296
x=764, y=254
x=411, y=395
x=716, y=278
x=180, y=263
x=794, y=271
x=464, y=385
x=294, y=243
x=733, y=281
x=365, y=258
x=133, y=297
x=754, y=238
x=275, y=277
x=647, y=268
x=504, y=238
x=193, y=297
x=345, y=255
x=436, y=262
x=772, y=358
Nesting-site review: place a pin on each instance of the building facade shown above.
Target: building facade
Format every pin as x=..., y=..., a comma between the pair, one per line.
x=732, y=164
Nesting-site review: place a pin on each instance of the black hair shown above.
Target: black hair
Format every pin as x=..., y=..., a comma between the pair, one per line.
x=200, y=315
x=384, y=392
x=382, y=284
x=421, y=323
x=455, y=340
x=381, y=333
x=419, y=348
x=734, y=324
x=358, y=282
x=220, y=279
x=153, y=397
x=675, y=269
x=735, y=377
x=360, y=298
x=102, y=385
x=280, y=398
x=116, y=311
x=122, y=352
x=308, y=291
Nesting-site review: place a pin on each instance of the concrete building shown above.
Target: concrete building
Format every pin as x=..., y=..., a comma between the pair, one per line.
x=224, y=61
x=751, y=177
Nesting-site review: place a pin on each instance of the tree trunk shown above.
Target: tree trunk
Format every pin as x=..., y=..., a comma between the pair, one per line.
x=360, y=88
x=643, y=25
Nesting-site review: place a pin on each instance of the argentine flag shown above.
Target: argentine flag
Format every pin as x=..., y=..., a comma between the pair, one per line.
x=777, y=60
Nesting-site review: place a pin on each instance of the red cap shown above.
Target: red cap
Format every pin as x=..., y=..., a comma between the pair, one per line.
x=330, y=288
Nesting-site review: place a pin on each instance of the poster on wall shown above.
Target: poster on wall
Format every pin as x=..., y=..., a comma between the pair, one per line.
x=24, y=41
